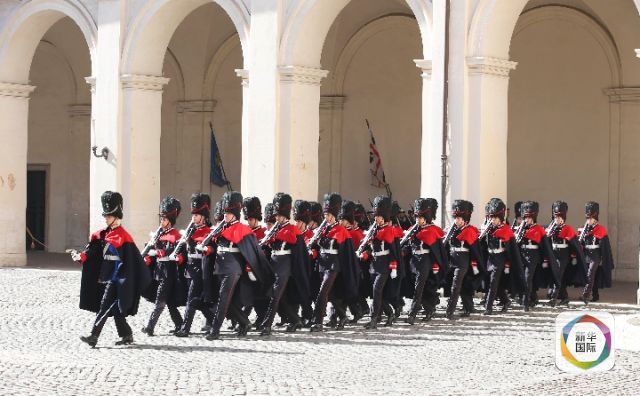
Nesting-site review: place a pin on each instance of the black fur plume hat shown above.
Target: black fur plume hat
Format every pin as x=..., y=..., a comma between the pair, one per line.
x=592, y=209
x=360, y=215
x=232, y=203
x=347, y=211
x=425, y=207
x=462, y=208
x=170, y=208
x=282, y=204
x=111, y=204
x=218, y=214
x=332, y=204
x=252, y=208
x=269, y=213
x=560, y=208
x=496, y=208
x=201, y=204
x=530, y=209
x=301, y=211
x=315, y=212
x=382, y=207
x=518, y=208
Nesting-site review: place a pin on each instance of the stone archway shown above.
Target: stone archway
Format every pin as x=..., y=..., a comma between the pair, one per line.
x=21, y=33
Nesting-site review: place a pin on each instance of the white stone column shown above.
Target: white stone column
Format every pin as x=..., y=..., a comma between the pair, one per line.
x=330, y=151
x=139, y=148
x=487, y=130
x=14, y=113
x=297, y=143
x=79, y=175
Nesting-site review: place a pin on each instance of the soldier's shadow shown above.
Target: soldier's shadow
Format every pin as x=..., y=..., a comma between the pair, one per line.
x=197, y=348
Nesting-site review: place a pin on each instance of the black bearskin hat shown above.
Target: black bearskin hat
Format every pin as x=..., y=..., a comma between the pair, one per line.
x=315, y=212
x=282, y=204
x=518, y=209
x=382, y=207
x=395, y=210
x=111, y=204
x=462, y=208
x=251, y=208
x=530, y=209
x=301, y=211
x=560, y=208
x=201, y=204
x=170, y=208
x=591, y=209
x=426, y=208
x=269, y=213
x=496, y=208
x=218, y=214
x=231, y=202
x=347, y=212
x=332, y=204
x=360, y=215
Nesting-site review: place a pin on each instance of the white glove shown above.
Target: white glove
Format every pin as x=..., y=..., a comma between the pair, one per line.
x=371, y=269
x=173, y=256
x=394, y=274
x=506, y=270
x=200, y=248
x=152, y=253
x=574, y=261
x=76, y=256
x=475, y=269
x=545, y=264
x=251, y=276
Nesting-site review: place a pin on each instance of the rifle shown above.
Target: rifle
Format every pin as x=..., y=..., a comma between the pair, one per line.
x=447, y=238
x=410, y=234
x=585, y=231
x=521, y=230
x=271, y=234
x=371, y=232
x=214, y=233
x=183, y=240
x=553, y=228
x=152, y=242
x=316, y=234
x=487, y=228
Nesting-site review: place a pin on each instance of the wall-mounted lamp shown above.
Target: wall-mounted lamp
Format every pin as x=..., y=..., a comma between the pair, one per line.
x=104, y=154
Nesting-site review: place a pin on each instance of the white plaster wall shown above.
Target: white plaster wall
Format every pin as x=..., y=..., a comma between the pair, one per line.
x=59, y=66
x=185, y=135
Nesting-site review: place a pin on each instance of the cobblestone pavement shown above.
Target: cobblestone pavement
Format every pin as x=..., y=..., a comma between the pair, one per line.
x=40, y=353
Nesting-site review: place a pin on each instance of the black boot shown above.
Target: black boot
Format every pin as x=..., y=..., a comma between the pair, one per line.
x=293, y=327
x=341, y=322
x=411, y=319
x=266, y=332
x=126, y=340
x=316, y=328
x=507, y=304
x=181, y=333
x=213, y=335
x=92, y=340
x=147, y=331
x=243, y=329
x=372, y=325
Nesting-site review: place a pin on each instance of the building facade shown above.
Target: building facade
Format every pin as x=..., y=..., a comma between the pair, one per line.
x=518, y=99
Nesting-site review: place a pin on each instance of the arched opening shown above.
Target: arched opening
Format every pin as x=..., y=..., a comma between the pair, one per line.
x=51, y=132
x=166, y=45
x=368, y=49
x=59, y=141
x=372, y=75
x=203, y=88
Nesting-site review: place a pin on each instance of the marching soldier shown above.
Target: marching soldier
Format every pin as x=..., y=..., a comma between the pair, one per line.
x=567, y=251
x=290, y=263
x=252, y=210
x=302, y=217
x=464, y=255
x=238, y=255
x=197, y=259
x=166, y=271
x=381, y=247
x=114, y=275
x=502, y=257
x=333, y=250
x=517, y=208
x=348, y=221
x=364, y=284
x=536, y=252
x=597, y=252
x=424, y=243
x=393, y=301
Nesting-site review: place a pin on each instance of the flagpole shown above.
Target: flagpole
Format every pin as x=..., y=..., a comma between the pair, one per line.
x=224, y=174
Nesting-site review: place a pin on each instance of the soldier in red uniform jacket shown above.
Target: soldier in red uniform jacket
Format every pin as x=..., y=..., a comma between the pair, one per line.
x=252, y=210
x=165, y=270
x=114, y=275
x=597, y=251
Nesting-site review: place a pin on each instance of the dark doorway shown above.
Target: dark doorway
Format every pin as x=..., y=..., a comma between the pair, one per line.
x=36, y=209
